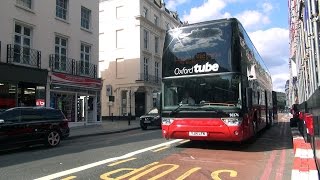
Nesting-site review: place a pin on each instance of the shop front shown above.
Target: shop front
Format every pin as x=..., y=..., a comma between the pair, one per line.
x=22, y=86
x=78, y=98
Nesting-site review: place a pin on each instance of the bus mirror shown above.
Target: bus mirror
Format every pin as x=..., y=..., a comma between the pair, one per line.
x=249, y=97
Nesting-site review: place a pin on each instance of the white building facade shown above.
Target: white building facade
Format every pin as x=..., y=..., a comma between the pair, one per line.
x=49, y=56
x=131, y=40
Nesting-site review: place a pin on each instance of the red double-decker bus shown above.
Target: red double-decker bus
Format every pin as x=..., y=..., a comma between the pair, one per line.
x=215, y=86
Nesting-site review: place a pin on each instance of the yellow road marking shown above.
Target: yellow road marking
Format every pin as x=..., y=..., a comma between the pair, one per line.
x=105, y=176
x=160, y=149
x=119, y=162
x=69, y=178
x=184, y=141
x=173, y=167
x=215, y=174
x=188, y=173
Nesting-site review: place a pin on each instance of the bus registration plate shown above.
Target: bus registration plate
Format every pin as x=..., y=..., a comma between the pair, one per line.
x=198, y=134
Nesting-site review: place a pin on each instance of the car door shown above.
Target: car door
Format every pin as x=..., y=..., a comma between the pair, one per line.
x=11, y=133
x=32, y=120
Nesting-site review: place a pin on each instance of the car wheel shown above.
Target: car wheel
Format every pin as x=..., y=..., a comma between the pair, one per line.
x=53, y=139
x=143, y=126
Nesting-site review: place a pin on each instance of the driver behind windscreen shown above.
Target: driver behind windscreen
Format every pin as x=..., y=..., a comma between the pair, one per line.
x=187, y=99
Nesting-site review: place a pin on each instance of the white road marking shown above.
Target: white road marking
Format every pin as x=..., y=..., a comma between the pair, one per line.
x=88, y=166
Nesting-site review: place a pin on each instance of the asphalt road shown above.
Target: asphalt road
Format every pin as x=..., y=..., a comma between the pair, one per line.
x=141, y=154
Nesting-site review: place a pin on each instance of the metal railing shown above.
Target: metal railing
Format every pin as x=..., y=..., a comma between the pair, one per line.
x=67, y=65
x=86, y=69
x=63, y=64
x=23, y=55
x=149, y=78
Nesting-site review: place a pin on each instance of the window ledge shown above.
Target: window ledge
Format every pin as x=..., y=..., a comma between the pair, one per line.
x=157, y=55
x=25, y=8
x=87, y=30
x=62, y=20
x=147, y=52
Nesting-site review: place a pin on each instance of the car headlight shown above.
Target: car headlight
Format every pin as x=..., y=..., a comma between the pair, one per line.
x=232, y=121
x=167, y=121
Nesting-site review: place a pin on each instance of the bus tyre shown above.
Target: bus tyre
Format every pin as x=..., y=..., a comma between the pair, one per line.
x=254, y=131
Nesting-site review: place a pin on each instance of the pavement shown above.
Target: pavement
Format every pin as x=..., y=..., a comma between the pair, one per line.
x=105, y=127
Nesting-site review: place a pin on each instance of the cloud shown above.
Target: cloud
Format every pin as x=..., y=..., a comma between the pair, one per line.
x=279, y=81
x=210, y=9
x=273, y=45
x=172, y=4
x=216, y=9
x=252, y=19
x=267, y=7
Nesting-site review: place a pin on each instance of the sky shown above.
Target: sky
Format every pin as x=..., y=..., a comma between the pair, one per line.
x=266, y=22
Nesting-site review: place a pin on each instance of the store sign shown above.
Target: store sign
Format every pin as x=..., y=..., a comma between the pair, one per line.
x=76, y=80
x=40, y=102
x=205, y=68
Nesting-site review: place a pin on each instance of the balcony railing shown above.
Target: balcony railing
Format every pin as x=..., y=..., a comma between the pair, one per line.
x=149, y=78
x=86, y=69
x=63, y=64
x=17, y=54
x=67, y=65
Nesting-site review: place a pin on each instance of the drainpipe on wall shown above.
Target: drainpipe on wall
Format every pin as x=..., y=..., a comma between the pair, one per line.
x=315, y=20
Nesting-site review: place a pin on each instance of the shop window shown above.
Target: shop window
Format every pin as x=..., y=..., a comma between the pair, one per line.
x=64, y=102
x=7, y=95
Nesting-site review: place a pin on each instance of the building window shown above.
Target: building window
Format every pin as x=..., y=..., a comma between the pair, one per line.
x=85, y=17
x=156, y=70
x=85, y=59
x=145, y=68
x=120, y=12
x=62, y=9
x=22, y=44
x=156, y=44
x=156, y=20
x=120, y=68
x=25, y=3
x=145, y=39
x=145, y=12
x=60, y=60
x=120, y=39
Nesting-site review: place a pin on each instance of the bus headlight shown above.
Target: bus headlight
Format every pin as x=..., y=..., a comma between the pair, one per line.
x=167, y=121
x=232, y=121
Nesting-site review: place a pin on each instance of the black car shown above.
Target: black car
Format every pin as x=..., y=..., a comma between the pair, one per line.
x=25, y=126
x=152, y=118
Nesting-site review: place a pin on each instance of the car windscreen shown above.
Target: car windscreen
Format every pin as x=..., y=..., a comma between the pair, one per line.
x=153, y=111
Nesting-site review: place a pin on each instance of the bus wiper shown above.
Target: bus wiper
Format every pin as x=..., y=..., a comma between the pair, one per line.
x=209, y=108
x=176, y=109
